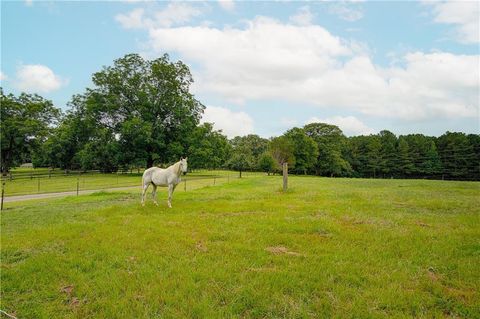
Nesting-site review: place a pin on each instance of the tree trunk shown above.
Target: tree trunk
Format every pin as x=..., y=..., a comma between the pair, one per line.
x=240, y=174
x=149, y=161
x=285, y=176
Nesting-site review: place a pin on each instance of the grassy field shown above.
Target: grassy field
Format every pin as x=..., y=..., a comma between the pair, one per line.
x=345, y=248
x=64, y=183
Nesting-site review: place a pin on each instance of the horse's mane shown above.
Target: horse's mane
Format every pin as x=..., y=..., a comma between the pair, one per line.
x=175, y=167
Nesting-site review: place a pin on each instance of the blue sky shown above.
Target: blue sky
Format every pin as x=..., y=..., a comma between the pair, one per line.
x=264, y=67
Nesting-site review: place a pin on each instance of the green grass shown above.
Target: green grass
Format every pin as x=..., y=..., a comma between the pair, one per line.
x=345, y=248
x=59, y=183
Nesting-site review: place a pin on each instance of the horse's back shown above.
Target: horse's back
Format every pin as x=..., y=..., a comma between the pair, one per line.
x=148, y=174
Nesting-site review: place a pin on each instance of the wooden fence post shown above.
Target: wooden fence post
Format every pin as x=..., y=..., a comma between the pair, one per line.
x=3, y=192
x=78, y=181
x=285, y=176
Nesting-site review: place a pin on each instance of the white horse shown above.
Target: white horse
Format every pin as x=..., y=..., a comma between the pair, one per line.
x=169, y=176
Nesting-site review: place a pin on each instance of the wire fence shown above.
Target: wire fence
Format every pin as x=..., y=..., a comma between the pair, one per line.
x=30, y=183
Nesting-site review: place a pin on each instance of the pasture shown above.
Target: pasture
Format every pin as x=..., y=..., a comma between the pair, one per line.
x=346, y=248
x=37, y=181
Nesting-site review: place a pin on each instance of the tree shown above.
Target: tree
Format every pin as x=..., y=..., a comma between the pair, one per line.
x=26, y=122
x=474, y=140
x=256, y=144
x=241, y=160
x=208, y=148
x=305, y=150
x=332, y=145
x=266, y=163
x=404, y=165
x=281, y=149
x=74, y=131
x=431, y=164
x=388, y=152
x=102, y=153
x=457, y=155
x=373, y=156
x=153, y=97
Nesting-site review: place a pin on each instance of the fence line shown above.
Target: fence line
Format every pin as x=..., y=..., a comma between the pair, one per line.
x=76, y=185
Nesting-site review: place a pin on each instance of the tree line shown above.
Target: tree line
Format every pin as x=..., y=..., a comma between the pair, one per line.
x=141, y=113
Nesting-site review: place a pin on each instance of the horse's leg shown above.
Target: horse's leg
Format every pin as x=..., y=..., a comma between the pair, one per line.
x=144, y=192
x=154, y=194
x=170, y=192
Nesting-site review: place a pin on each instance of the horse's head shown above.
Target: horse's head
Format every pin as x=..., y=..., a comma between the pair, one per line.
x=183, y=165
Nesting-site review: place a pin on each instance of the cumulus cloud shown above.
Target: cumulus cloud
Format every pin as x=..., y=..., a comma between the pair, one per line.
x=228, y=5
x=270, y=60
x=303, y=16
x=464, y=15
x=345, y=11
x=175, y=13
x=37, y=78
x=350, y=125
x=231, y=123
x=300, y=62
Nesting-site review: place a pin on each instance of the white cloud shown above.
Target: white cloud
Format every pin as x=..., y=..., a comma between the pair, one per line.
x=28, y=3
x=270, y=60
x=3, y=76
x=464, y=15
x=37, y=78
x=345, y=11
x=350, y=125
x=175, y=13
x=132, y=20
x=228, y=5
x=305, y=63
x=303, y=16
x=231, y=123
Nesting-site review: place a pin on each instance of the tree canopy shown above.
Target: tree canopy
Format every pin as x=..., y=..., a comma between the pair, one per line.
x=26, y=122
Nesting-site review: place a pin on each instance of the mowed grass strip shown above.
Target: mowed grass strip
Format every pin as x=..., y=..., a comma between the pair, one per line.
x=347, y=248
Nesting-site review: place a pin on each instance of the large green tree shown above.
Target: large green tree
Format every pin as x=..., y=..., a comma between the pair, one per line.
x=208, y=148
x=305, y=150
x=331, y=147
x=266, y=163
x=241, y=159
x=148, y=105
x=256, y=144
x=26, y=121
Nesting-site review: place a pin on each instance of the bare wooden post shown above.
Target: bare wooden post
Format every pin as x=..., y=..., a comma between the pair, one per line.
x=3, y=193
x=213, y=180
x=285, y=176
x=185, y=185
x=78, y=182
x=38, y=188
